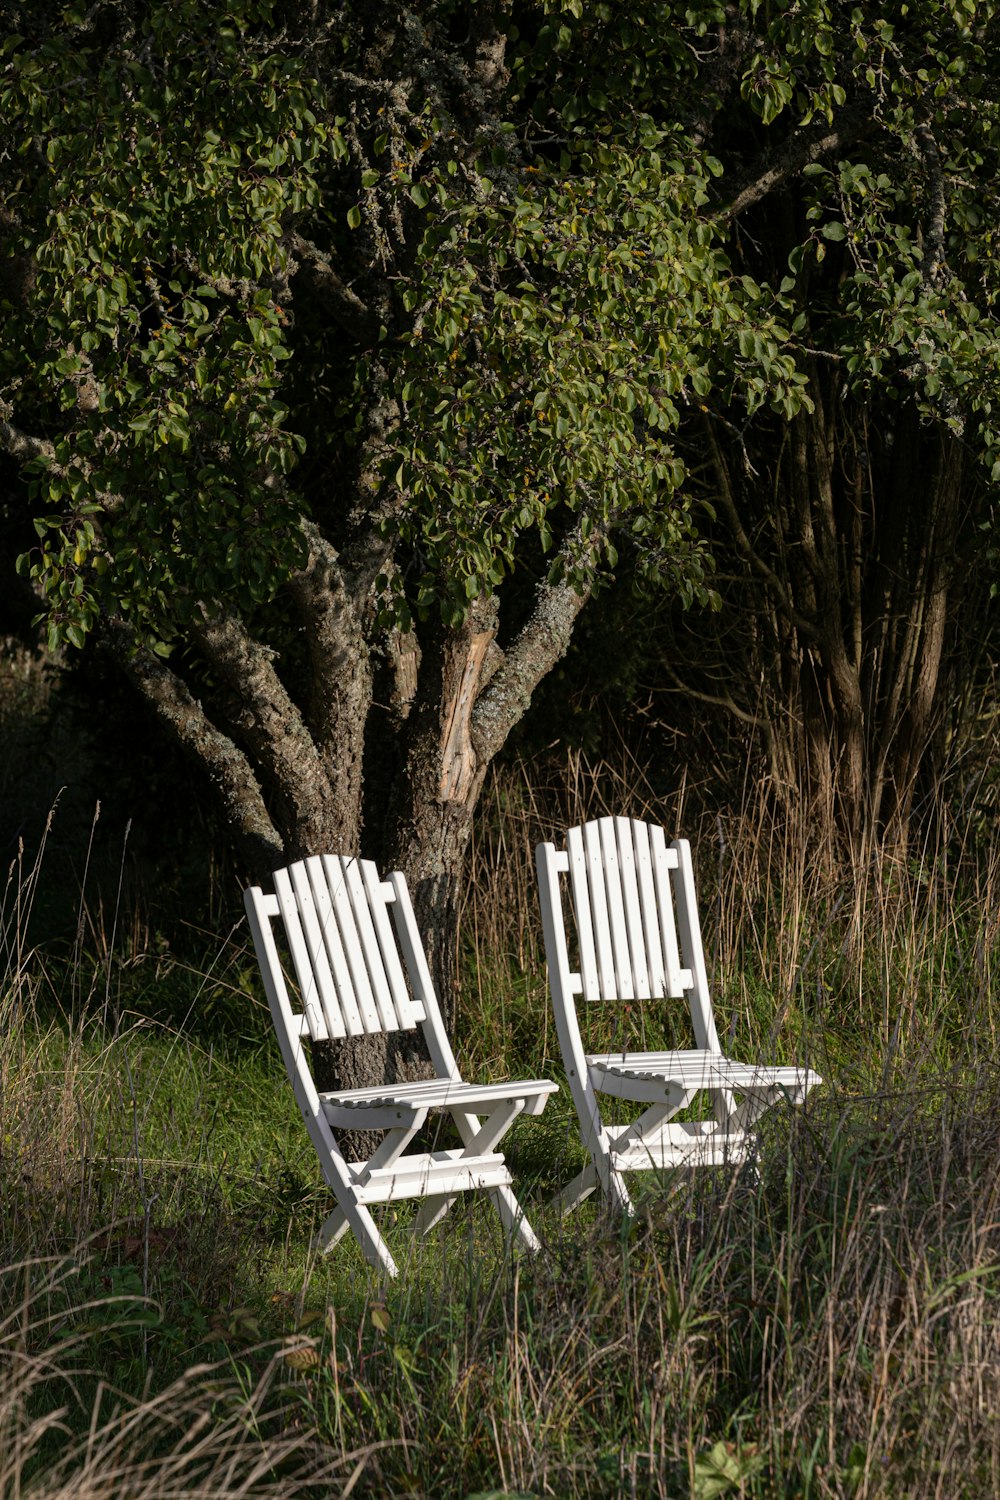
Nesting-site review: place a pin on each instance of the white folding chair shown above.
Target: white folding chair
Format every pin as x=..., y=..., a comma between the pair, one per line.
x=360, y=968
x=624, y=883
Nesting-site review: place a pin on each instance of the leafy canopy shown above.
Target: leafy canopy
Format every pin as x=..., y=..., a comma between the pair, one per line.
x=555, y=285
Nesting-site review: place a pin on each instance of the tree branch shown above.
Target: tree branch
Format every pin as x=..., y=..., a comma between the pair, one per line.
x=935, y=231
x=270, y=725
x=801, y=149
x=353, y=315
x=718, y=700
x=21, y=445
x=533, y=653
x=172, y=702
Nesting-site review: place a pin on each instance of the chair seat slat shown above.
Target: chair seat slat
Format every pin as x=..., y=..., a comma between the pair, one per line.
x=436, y=1093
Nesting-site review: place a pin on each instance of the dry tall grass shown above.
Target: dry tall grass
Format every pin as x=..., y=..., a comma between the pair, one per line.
x=827, y=1328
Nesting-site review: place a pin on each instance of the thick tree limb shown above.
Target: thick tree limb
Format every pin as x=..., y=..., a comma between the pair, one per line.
x=21, y=445
x=176, y=708
x=334, y=638
x=270, y=725
x=801, y=149
x=340, y=676
x=353, y=315
x=486, y=48
x=532, y=654
x=935, y=227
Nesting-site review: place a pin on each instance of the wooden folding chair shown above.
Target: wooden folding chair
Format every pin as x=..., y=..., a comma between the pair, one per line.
x=625, y=881
x=360, y=968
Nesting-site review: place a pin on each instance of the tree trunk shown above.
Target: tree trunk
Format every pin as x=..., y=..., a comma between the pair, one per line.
x=397, y=780
x=843, y=555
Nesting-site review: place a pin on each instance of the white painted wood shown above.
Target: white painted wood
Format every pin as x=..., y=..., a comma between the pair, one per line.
x=563, y=991
x=702, y=1013
x=319, y=961
x=359, y=892
x=260, y=914
x=347, y=1002
x=359, y=972
x=336, y=870
x=598, y=896
x=662, y=866
x=633, y=912
x=624, y=983
x=309, y=993
x=652, y=938
x=576, y=862
x=626, y=883
x=381, y=895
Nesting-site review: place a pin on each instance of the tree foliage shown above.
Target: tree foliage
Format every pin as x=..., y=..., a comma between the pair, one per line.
x=348, y=352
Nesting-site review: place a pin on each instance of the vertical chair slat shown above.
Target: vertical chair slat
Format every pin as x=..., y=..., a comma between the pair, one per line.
x=377, y=976
x=656, y=968
x=353, y=1021
x=599, y=910
x=624, y=988
x=319, y=961
x=312, y=1005
x=579, y=885
x=407, y=1012
x=664, y=860
x=633, y=915
x=343, y=906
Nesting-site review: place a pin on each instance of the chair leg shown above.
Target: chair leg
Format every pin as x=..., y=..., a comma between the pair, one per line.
x=332, y=1230
x=431, y=1212
x=511, y=1213
x=581, y=1187
x=478, y=1140
x=584, y=1183
x=358, y=1219
x=514, y=1220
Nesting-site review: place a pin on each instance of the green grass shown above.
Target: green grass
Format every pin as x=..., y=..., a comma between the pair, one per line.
x=826, y=1327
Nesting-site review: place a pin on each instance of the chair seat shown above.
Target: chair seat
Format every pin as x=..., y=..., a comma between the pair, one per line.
x=611, y=1073
x=438, y=1093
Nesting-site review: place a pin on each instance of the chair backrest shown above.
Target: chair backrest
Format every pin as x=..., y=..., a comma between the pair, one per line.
x=347, y=951
x=636, y=917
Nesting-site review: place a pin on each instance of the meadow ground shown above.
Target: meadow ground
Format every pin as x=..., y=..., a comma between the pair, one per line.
x=825, y=1327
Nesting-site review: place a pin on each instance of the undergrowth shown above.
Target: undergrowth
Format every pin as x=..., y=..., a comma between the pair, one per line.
x=823, y=1327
